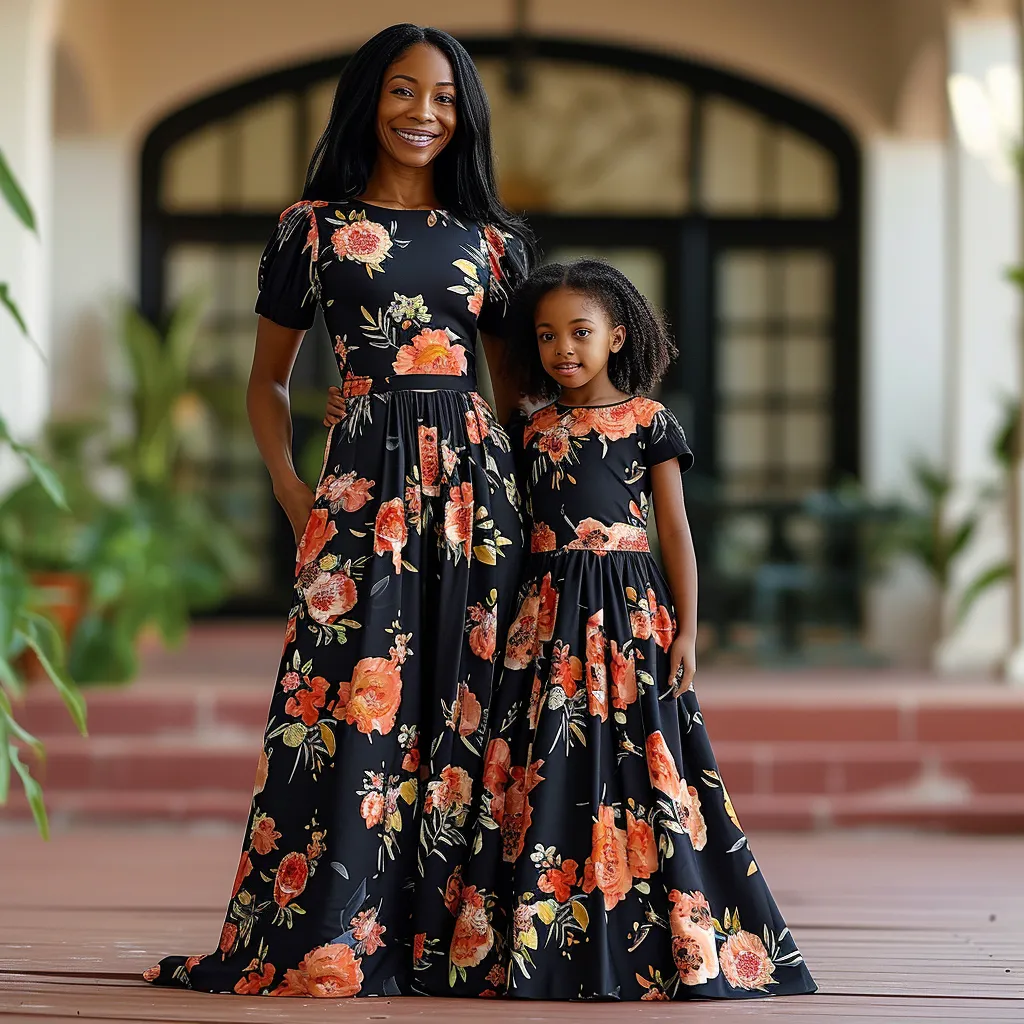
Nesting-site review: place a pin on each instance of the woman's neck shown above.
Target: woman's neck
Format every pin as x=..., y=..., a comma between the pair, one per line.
x=402, y=188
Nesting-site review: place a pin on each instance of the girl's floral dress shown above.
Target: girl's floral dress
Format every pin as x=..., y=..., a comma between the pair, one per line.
x=404, y=581
x=609, y=861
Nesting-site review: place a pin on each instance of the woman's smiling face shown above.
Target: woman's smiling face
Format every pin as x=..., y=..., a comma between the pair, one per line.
x=416, y=114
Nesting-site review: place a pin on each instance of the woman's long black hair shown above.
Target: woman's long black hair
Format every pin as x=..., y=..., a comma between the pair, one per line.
x=464, y=171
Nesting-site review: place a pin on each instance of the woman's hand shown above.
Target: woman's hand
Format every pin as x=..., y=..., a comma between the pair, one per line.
x=335, y=407
x=682, y=663
x=297, y=501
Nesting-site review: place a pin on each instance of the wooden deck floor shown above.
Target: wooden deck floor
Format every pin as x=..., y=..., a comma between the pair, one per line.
x=894, y=927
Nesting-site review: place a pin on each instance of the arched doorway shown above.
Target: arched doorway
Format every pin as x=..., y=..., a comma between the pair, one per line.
x=732, y=205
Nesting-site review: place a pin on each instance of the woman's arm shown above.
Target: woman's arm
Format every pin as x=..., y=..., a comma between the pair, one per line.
x=680, y=563
x=266, y=401
x=506, y=394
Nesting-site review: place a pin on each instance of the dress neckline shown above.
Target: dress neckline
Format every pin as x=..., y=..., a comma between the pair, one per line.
x=607, y=405
x=396, y=209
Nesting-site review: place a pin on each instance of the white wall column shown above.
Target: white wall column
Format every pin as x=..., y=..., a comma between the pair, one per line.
x=905, y=348
x=27, y=30
x=984, y=351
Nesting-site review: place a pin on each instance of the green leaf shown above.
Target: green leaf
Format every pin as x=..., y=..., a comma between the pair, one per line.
x=985, y=579
x=12, y=308
x=33, y=793
x=42, y=636
x=47, y=478
x=16, y=200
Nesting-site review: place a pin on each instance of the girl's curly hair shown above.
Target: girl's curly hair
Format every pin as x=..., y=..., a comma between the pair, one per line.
x=635, y=369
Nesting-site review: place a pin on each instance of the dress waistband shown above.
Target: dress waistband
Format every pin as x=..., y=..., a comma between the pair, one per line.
x=353, y=386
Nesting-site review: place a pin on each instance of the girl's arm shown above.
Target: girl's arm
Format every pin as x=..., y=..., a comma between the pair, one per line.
x=680, y=567
x=266, y=401
x=506, y=394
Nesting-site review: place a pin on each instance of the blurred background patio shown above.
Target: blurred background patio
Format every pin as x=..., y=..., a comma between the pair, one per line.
x=822, y=195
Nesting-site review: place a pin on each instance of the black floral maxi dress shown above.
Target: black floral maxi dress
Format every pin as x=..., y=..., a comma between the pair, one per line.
x=610, y=863
x=404, y=578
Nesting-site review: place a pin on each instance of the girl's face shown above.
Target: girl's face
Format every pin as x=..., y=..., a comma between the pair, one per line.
x=576, y=338
x=416, y=109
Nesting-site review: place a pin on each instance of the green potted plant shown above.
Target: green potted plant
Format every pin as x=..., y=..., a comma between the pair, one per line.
x=24, y=626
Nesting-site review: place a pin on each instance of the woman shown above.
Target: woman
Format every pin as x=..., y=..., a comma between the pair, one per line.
x=407, y=554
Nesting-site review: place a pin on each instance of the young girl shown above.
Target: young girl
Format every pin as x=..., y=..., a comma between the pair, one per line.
x=610, y=863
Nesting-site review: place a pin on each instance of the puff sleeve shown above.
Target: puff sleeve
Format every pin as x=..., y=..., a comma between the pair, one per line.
x=288, y=285
x=509, y=264
x=666, y=441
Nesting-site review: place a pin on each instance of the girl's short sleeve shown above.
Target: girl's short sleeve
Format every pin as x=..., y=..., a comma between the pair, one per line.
x=666, y=441
x=509, y=264
x=288, y=283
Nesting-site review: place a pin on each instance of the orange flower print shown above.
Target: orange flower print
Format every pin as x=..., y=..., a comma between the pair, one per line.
x=641, y=847
x=688, y=957
x=371, y=809
x=559, y=881
x=520, y=648
x=419, y=943
x=473, y=936
x=452, y=791
x=546, y=610
x=541, y=422
x=623, y=674
x=373, y=696
x=262, y=771
x=368, y=930
x=228, y=934
x=263, y=836
x=290, y=879
x=535, y=694
x=518, y=810
x=431, y=352
x=453, y=891
x=469, y=711
x=640, y=624
x=244, y=869
x=319, y=530
x=390, y=532
x=624, y=537
x=484, y=415
x=411, y=761
x=355, y=386
x=315, y=848
x=458, y=518
x=330, y=596
x=592, y=536
x=289, y=634
x=662, y=625
x=331, y=971
x=306, y=703
x=483, y=636
x=608, y=867
x=475, y=301
x=191, y=961
x=497, y=765
x=662, y=768
x=151, y=973
x=495, y=242
x=693, y=819
x=473, y=427
x=254, y=981
x=745, y=962
x=346, y=491
x=597, y=679
x=616, y=422
x=365, y=242
x=413, y=502
x=430, y=464
x=555, y=444
x=542, y=538
x=566, y=669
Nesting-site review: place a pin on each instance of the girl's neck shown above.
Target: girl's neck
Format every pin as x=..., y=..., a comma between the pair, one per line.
x=401, y=188
x=595, y=392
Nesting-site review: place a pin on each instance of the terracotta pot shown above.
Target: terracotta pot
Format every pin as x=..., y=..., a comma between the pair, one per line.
x=61, y=597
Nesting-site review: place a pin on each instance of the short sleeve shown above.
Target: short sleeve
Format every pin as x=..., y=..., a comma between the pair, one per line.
x=666, y=441
x=289, y=288
x=509, y=264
